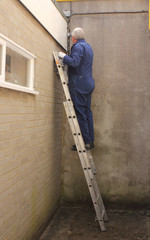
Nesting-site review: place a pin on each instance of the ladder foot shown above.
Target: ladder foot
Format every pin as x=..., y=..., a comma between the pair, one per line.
x=102, y=226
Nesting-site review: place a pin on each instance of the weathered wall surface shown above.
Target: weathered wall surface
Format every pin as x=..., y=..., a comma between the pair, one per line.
x=121, y=100
x=30, y=133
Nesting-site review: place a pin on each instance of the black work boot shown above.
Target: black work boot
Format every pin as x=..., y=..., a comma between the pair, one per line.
x=89, y=146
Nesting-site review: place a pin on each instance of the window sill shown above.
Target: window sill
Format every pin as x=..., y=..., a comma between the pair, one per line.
x=18, y=88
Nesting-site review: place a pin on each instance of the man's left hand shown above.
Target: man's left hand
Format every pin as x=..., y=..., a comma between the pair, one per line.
x=61, y=55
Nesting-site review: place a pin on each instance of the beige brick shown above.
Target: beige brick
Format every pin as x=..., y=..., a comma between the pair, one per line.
x=30, y=132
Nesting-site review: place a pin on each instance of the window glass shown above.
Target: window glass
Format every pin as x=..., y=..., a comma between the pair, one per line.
x=16, y=68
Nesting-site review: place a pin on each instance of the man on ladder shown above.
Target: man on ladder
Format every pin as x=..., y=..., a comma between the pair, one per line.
x=81, y=84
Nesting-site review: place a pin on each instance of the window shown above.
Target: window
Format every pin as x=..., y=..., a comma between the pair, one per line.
x=16, y=67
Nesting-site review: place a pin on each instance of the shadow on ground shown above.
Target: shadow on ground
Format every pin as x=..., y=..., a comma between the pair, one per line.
x=77, y=222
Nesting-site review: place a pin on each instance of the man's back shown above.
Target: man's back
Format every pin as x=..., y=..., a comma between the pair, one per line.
x=80, y=67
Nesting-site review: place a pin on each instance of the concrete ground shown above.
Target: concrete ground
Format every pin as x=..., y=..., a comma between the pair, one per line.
x=77, y=222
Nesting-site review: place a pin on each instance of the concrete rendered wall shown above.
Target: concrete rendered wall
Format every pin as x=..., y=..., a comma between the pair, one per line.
x=30, y=133
x=121, y=100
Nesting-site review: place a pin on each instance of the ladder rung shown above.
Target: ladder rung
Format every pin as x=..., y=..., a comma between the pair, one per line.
x=103, y=213
x=98, y=197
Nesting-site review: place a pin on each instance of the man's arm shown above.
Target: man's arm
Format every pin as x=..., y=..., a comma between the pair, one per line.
x=75, y=58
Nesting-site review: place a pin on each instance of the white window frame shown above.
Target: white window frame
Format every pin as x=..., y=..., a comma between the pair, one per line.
x=6, y=42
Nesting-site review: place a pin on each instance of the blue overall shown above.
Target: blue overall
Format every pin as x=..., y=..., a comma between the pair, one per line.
x=81, y=86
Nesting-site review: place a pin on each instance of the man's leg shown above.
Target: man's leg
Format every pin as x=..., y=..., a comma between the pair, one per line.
x=80, y=102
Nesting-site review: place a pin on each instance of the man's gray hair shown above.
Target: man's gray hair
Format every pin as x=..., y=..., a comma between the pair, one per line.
x=78, y=33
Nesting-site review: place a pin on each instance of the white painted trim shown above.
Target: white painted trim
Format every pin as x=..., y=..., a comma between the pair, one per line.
x=18, y=88
x=1, y=78
x=17, y=47
x=48, y=15
x=3, y=59
x=6, y=42
x=30, y=73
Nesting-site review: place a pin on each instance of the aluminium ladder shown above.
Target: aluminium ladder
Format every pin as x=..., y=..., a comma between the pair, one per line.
x=85, y=156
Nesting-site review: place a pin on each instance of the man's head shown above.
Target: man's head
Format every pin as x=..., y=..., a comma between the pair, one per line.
x=77, y=34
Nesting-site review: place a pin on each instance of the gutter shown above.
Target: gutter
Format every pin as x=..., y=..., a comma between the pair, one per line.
x=100, y=13
x=97, y=13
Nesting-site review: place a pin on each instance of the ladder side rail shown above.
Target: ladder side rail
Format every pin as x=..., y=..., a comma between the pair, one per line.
x=64, y=84
x=75, y=129
x=63, y=76
x=99, y=212
x=99, y=199
x=68, y=97
x=92, y=164
x=64, y=81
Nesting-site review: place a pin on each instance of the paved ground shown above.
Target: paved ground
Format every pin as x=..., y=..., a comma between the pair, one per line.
x=77, y=222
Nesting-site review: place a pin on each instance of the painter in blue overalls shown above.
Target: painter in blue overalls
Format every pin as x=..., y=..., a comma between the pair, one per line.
x=81, y=84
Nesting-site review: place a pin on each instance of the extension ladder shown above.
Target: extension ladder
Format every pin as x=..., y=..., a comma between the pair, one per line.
x=85, y=156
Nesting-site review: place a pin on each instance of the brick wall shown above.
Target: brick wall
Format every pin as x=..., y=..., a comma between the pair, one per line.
x=30, y=133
